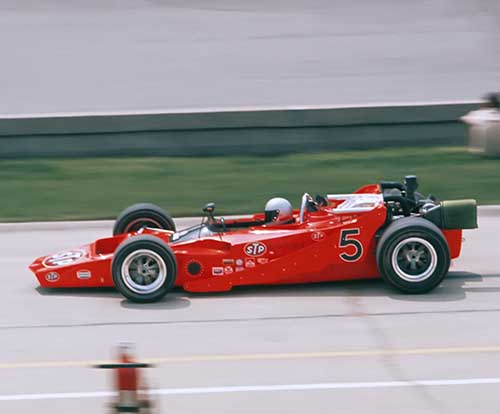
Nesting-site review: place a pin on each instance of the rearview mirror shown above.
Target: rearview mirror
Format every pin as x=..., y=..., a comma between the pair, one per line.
x=209, y=208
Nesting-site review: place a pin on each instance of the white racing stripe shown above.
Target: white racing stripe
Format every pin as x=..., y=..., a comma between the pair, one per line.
x=258, y=388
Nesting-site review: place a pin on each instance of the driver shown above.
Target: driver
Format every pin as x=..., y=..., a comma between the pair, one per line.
x=278, y=211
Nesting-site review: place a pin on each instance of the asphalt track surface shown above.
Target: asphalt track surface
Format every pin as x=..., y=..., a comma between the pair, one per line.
x=108, y=55
x=328, y=348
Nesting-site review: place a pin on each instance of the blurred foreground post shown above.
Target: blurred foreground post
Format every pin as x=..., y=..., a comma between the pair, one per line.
x=132, y=397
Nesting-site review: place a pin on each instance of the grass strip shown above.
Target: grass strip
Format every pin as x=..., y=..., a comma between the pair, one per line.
x=98, y=188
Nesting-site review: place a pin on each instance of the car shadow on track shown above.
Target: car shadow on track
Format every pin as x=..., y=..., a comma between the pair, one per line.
x=454, y=288
x=105, y=292
x=169, y=302
x=173, y=301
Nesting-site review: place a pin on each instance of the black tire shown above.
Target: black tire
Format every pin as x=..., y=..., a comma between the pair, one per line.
x=133, y=283
x=427, y=257
x=142, y=215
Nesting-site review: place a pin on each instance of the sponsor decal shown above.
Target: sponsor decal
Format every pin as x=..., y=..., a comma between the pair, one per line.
x=217, y=271
x=52, y=277
x=239, y=268
x=227, y=261
x=249, y=262
x=83, y=274
x=255, y=249
x=262, y=260
x=228, y=270
x=63, y=258
x=317, y=235
x=239, y=262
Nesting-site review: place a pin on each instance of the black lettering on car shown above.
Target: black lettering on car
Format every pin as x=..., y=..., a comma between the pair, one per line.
x=355, y=248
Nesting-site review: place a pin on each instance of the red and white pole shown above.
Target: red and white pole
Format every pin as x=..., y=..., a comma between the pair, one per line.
x=127, y=381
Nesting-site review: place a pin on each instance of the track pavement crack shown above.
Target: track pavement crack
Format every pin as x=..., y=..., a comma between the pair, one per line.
x=389, y=359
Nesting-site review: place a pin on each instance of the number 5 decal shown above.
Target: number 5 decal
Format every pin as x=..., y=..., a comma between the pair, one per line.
x=355, y=246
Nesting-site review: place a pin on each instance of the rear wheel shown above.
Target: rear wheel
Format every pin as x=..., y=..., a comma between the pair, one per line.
x=144, y=269
x=413, y=255
x=141, y=215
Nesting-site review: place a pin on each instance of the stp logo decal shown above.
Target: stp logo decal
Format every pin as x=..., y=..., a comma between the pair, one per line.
x=52, y=277
x=255, y=249
x=317, y=235
x=63, y=258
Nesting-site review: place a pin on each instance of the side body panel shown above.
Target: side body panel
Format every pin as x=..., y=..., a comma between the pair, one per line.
x=326, y=247
x=341, y=247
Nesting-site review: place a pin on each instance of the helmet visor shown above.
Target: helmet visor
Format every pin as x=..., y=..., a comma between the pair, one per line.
x=271, y=215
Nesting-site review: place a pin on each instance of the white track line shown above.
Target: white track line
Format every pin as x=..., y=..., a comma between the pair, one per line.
x=259, y=388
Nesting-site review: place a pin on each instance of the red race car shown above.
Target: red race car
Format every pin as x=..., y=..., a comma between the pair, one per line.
x=386, y=229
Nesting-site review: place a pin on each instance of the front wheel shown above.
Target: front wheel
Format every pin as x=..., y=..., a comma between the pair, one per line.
x=144, y=269
x=141, y=215
x=413, y=255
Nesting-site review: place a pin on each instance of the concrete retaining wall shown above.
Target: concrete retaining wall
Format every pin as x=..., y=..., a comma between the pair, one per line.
x=262, y=131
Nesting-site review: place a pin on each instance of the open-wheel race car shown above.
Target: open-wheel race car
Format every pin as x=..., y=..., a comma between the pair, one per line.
x=386, y=229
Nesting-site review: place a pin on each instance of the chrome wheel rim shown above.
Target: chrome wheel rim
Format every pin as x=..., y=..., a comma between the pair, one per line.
x=414, y=259
x=144, y=271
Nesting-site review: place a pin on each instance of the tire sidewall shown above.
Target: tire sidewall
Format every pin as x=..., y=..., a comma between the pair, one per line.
x=426, y=232
x=151, y=243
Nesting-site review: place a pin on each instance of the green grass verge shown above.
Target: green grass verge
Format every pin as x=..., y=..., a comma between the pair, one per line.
x=100, y=187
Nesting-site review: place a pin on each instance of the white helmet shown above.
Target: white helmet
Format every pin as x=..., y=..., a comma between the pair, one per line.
x=278, y=210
